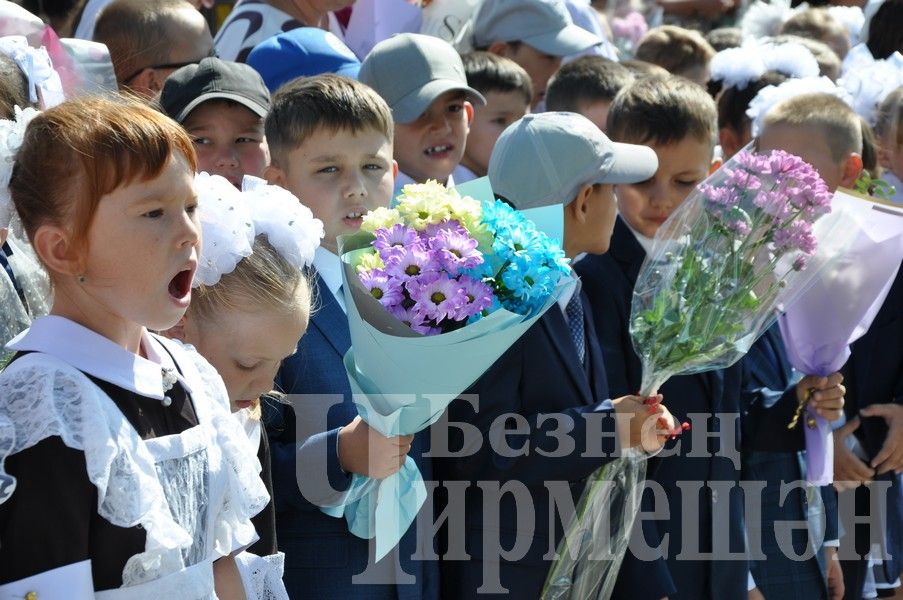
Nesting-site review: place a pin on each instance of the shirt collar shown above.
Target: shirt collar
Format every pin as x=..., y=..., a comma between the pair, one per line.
x=96, y=355
x=329, y=266
x=642, y=240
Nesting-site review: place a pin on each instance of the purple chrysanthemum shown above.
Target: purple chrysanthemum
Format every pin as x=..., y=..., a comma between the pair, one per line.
x=411, y=261
x=387, y=290
x=478, y=294
x=455, y=250
x=390, y=241
x=436, y=296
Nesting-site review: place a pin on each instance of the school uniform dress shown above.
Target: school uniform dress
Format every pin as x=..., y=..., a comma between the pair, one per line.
x=683, y=573
x=774, y=455
x=108, y=490
x=323, y=558
x=874, y=375
x=554, y=370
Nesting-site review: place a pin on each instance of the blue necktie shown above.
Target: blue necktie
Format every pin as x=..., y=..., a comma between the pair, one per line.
x=574, y=312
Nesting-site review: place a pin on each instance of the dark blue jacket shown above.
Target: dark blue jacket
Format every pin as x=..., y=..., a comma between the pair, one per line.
x=773, y=454
x=540, y=375
x=608, y=281
x=874, y=375
x=322, y=556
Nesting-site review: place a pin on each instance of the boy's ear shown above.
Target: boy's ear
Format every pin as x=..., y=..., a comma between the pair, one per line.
x=729, y=141
x=580, y=205
x=716, y=164
x=852, y=168
x=394, y=169
x=145, y=80
x=468, y=110
x=275, y=175
x=177, y=331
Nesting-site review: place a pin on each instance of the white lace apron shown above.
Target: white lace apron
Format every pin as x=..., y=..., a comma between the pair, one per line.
x=193, y=493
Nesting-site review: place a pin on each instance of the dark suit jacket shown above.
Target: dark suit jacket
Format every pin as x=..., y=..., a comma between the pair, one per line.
x=540, y=375
x=773, y=454
x=322, y=556
x=874, y=375
x=609, y=280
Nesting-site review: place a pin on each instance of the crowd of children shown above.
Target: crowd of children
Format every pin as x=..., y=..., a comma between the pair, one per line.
x=175, y=415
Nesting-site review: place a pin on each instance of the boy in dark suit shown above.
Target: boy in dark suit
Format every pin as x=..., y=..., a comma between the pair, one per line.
x=679, y=121
x=550, y=383
x=331, y=145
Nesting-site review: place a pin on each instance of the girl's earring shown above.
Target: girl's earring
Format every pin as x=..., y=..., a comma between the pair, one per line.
x=81, y=279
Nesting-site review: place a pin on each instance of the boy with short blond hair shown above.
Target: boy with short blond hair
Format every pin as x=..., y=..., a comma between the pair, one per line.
x=508, y=92
x=680, y=51
x=678, y=119
x=331, y=145
x=588, y=85
x=820, y=128
x=820, y=25
x=422, y=80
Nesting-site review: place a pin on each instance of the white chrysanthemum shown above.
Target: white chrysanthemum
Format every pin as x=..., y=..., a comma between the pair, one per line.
x=768, y=97
x=12, y=132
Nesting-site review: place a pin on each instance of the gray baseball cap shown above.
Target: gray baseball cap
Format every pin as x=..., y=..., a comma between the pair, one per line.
x=543, y=24
x=410, y=70
x=545, y=159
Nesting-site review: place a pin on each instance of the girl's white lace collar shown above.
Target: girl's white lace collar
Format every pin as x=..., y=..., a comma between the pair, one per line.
x=94, y=354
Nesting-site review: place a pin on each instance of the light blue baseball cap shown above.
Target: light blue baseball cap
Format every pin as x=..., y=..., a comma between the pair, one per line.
x=410, y=70
x=542, y=24
x=545, y=158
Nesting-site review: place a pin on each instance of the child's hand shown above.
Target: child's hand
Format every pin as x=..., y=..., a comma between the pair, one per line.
x=365, y=451
x=651, y=423
x=824, y=394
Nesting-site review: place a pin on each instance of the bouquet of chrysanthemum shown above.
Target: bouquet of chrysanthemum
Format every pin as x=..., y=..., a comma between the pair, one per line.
x=719, y=270
x=437, y=289
x=846, y=296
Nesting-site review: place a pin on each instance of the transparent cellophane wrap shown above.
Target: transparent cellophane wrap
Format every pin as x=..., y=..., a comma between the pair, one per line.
x=703, y=296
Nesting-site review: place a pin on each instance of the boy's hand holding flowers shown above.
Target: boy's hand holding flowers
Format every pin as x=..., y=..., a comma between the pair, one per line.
x=365, y=451
x=651, y=423
x=823, y=394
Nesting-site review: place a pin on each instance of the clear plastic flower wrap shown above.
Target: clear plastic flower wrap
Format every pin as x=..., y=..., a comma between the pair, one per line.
x=715, y=279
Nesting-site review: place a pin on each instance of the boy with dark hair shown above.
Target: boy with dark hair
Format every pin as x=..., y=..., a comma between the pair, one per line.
x=508, y=92
x=149, y=39
x=222, y=106
x=679, y=121
x=536, y=34
x=588, y=85
x=422, y=80
x=330, y=140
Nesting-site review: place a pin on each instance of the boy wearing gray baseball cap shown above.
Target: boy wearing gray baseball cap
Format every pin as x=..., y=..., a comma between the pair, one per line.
x=553, y=374
x=422, y=80
x=563, y=158
x=536, y=34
